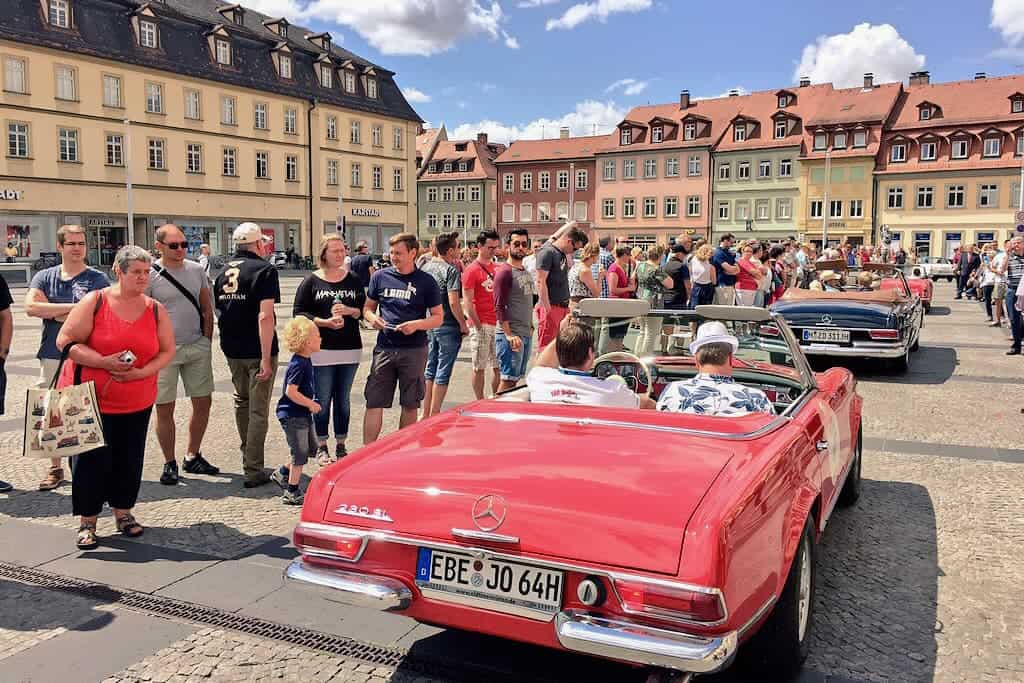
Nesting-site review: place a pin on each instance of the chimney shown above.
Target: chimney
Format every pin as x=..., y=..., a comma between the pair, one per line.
x=980, y=76
x=481, y=138
x=920, y=78
x=804, y=81
x=869, y=81
x=563, y=133
x=684, y=99
x=734, y=93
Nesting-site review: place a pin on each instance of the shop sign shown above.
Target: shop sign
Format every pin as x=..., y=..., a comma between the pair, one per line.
x=837, y=224
x=11, y=195
x=368, y=213
x=103, y=222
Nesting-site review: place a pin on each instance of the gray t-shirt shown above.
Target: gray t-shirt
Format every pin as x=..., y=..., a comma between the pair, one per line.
x=188, y=327
x=551, y=259
x=513, y=299
x=448, y=280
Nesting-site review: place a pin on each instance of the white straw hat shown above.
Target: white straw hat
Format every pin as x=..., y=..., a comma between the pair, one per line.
x=713, y=332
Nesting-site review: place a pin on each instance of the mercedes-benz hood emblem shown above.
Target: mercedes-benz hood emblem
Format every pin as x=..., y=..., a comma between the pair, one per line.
x=489, y=512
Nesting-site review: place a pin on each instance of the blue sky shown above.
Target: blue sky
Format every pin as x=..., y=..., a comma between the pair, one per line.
x=521, y=71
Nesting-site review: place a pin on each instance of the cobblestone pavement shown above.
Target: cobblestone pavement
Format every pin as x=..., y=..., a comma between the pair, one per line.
x=919, y=582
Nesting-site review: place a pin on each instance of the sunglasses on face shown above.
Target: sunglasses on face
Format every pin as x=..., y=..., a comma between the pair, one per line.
x=520, y=244
x=175, y=245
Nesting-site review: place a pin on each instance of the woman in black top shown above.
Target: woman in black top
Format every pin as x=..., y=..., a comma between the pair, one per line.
x=333, y=298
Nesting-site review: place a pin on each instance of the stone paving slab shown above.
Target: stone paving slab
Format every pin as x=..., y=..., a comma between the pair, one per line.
x=228, y=585
x=30, y=545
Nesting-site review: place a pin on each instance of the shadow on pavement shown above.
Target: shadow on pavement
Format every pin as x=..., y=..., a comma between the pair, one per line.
x=31, y=608
x=940, y=310
x=928, y=365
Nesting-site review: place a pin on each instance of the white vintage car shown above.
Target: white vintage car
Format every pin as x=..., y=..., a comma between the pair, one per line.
x=936, y=267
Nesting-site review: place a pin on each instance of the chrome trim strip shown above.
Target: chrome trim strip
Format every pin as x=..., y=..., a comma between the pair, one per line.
x=487, y=605
x=360, y=590
x=857, y=350
x=761, y=611
x=328, y=530
x=474, y=535
x=641, y=644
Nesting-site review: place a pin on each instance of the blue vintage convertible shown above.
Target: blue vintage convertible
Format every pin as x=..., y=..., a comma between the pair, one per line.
x=881, y=320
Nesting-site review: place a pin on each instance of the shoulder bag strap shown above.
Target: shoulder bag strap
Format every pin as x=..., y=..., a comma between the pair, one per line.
x=181, y=288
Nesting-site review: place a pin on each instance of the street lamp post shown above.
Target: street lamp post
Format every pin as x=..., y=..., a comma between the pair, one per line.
x=128, y=180
x=825, y=210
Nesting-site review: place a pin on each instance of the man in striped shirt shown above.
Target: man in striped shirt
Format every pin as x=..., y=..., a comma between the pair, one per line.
x=1013, y=267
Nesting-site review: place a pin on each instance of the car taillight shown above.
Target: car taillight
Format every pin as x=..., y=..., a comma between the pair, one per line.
x=884, y=334
x=664, y=601
x=768, y=331
x=320, y=540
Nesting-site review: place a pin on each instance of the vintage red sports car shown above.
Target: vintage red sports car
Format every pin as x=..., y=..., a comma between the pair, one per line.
x=665, y=540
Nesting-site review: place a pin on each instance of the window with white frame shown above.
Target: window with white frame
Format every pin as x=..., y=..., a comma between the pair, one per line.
x=446, y=194
x=629, y=208
x=724, y=171
x=1017, y=105
x=355, y=135
x=377, y=136
x=742, y=210
x=693, y=205
x=509, y=182
x=432, y=168
x=526, y=213
x=762, y=209
x=956, y=197
x=743, y=170
x=332, y=127
x=783, y=101
x=193, y=158
x=928, y=151
x=1020, y=145
x=508, y=213
x=626, y=136
x=291, y=168
x=609, y=169
x=460, y=193
x=332, y=173
x=563, y=181
x=671, y=207
x=59, y=13
x=115, y=149
x=378, y=178
x=259, y=116
x=474, y=221
x=228, y=109
x=672, y=167
x=562, y=211
x=764, y=169
x=154, y=98
x=396, y=138
x=739, y=132
x=193, y=105
x=783, y=209
x=993, y=147
x=820, y=141
x=656, y=134
x=148, y=33
x=925, y=113
x=223, y=52
x=628, y=169
x=447, y=167
x=785, y=168
x=835, y=208
x=474, y=193
x=66, y=86
x=856, y=208
x=839, y=140
x=693, y=165
x=650, y=207
x=781, y=128
x=229, y=161
x=432, y=221
x=582, y=178
x=290, y=121
x=960, y=148
x=431, y=194
x=526, y=182
x=398, y=180
x=723, y=211
x=608, y=208
x=860, y=138
x=263, y=165
x=816, y=207
x=17, y=140
x=544, y=181
x=371, y=88
x=350, y=81
x=895, y=198
x=690, y=130
x=356, y=173
x=1014, y=198
x=580, y=211
x=285, y=62
x=111, y=91
x=446, y=221
x=543, y=213
x=15, y=75
x=460, y=221
x=650, y=168
x=157, y=158
x=898, y=153
x=988, y=196
x=326, y=75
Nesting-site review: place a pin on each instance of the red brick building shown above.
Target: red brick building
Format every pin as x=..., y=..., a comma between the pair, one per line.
x=542, y=183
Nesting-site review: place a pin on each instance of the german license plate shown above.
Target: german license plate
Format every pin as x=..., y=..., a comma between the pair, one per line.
x=510, y=587
x=835, y=336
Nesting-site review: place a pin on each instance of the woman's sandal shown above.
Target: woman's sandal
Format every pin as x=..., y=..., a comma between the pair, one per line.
x=87, y=537
x=127, y=526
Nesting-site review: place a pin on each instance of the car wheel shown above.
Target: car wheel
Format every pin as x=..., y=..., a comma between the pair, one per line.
x=902, y=364
x=851, y=488
x=935, y=278
x=949, y=279
x=783, y=642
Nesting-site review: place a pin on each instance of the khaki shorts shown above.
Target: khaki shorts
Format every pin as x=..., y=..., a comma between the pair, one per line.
x=999, y=291
x=482, y=346
x=725, y=296
x=193, y=363
x=47, y=369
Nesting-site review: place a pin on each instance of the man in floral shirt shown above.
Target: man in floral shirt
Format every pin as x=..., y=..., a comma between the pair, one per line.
x=713, y=391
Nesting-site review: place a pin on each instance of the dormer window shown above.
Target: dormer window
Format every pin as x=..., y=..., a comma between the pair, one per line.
x=282, y=29
x=993, y=147
x=371, y=88
x=783, y=101
x=462, y=167
x=656, y=134
x=326, y=76
x=350, y=81
x=286, y=66
x=1017, y=105
x=148, y=34
x=929, y=151
x=233, y=13
x=781, y=128
x=223, y=51
x=1020, y=145
x=860, y=138
x=898, y=153
x=820, y=140
x=321, y=40
x=432, y=168
x=960, y=148
x=839, y=140
x=925, y=113
x=739, y=132
x=447, y=167
x=626, y=136
x=60, y=13
x=690, y=131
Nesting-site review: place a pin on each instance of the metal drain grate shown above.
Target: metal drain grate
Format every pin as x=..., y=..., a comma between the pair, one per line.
x=424, y=665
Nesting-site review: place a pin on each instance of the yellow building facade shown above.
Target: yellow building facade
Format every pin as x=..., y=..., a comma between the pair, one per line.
x=844, y=203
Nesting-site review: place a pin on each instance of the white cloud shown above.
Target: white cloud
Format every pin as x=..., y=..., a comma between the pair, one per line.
x=630, y=86
x=414, y=95
x=599, y=10
x=1008, y=19
x=413, y=27
x=844, y=58
x=527, y=4
x=588, y=117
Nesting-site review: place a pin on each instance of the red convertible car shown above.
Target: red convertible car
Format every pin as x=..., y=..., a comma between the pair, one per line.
x=664, y=540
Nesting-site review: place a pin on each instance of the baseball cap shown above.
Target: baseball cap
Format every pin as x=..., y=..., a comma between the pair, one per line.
x=713, y=332
x=247, y=233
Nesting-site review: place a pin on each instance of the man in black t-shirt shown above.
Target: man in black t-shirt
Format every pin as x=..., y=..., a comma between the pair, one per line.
x=678, y=297
x=245, y=294
x=6, y=332
x=362, y=263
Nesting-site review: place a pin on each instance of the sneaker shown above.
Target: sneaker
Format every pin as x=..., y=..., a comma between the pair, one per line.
x=54, y=478
x=197, y=464
x=998, y=323
x=340, y=451
x=292, y=497
x=323, y=456
x=280, y=478
x=5, y=487
x=259, y=480
x=1013, y=352
x=170, y=474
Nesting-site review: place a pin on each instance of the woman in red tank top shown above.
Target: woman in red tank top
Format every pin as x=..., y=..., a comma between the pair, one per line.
x=121, y=340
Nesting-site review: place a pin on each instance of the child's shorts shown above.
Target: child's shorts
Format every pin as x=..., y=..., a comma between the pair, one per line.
x=301, y=438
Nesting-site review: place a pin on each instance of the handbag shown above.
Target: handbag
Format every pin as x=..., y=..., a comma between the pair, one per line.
x=62, y=422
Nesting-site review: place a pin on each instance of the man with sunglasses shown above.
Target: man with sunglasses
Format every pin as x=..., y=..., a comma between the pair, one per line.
x=513, y=303
x=182, y=287
x=51, y=295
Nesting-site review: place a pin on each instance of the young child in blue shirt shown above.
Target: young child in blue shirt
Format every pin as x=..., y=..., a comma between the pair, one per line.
x=296, y=407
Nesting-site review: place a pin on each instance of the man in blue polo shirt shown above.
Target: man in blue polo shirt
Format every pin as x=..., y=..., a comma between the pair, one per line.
x=402, y=303
x=725, y=266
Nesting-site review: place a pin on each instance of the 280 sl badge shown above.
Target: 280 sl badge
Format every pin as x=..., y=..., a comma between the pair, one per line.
x=379, y=514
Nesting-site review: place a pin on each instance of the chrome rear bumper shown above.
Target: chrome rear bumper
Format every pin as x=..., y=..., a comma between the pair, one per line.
x=351, y=588
x=858, y=350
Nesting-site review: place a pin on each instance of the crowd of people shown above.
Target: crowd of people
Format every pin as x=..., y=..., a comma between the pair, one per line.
x=992, y=274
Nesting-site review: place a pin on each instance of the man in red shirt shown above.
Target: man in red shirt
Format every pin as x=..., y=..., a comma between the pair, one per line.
x=478, y=304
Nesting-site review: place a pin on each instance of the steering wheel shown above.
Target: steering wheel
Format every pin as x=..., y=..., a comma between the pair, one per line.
x=624, y=356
